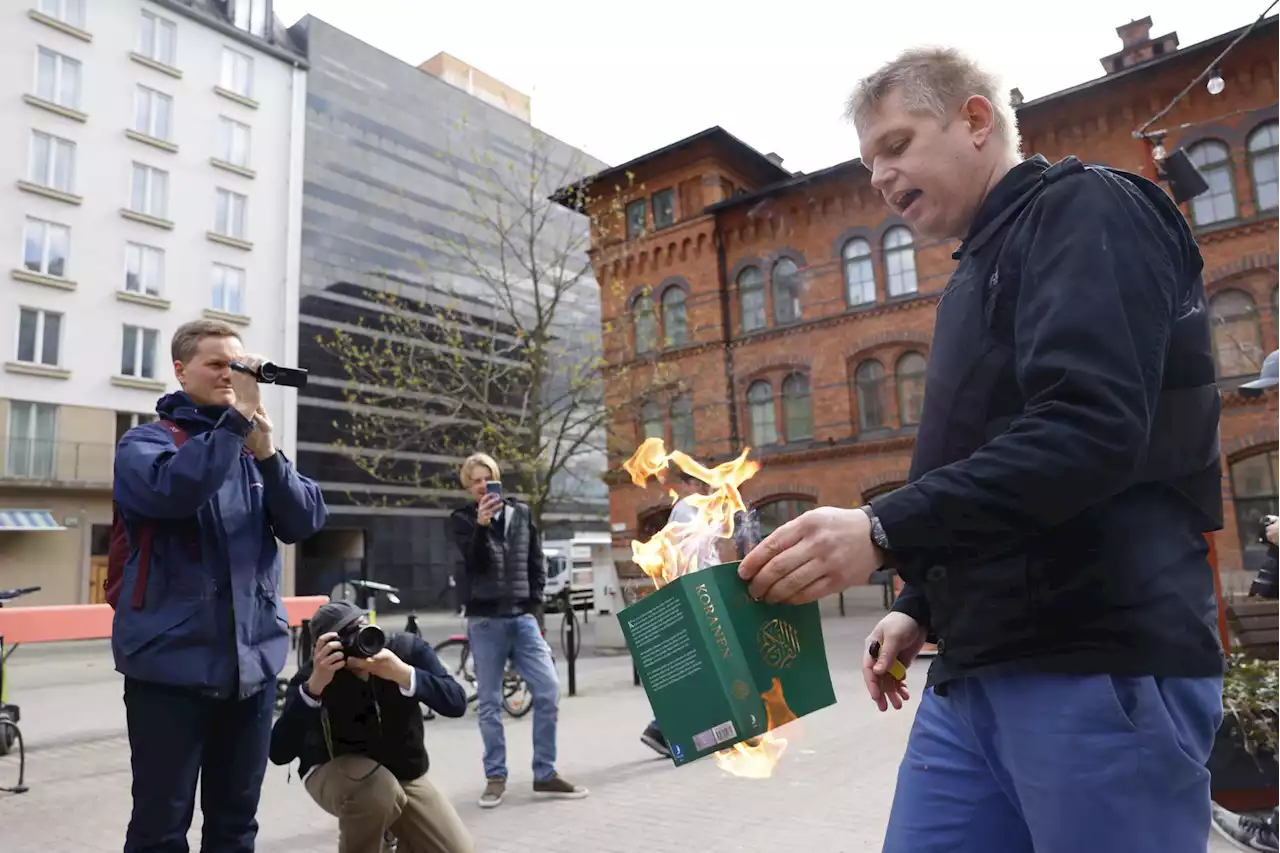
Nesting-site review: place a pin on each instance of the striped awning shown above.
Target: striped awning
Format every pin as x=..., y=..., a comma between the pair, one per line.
x=27, y=519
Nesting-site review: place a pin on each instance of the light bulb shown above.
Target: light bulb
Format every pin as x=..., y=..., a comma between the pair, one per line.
x=1216, y=83
x=1158, y=153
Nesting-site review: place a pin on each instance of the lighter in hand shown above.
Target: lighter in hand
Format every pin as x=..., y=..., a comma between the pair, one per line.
x=896, y=669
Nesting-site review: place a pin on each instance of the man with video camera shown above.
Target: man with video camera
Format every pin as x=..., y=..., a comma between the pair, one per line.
x=201, y=496
x=351, y=720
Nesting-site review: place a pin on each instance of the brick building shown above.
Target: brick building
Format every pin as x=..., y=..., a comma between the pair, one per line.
x=746, y=306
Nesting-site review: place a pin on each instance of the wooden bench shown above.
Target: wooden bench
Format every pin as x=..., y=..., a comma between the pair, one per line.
x=57, y=622
x=1255, y=626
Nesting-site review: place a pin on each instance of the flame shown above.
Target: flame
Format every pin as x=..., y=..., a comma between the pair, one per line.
x=683, y=547
x=758, y=761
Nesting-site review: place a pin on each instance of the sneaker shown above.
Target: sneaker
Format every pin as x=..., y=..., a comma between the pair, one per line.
x=1243, y=831
x=652, y=738
x=494, y=791
x=560, y=788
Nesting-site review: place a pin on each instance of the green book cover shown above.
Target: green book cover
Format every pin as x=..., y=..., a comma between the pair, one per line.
x=707, y=656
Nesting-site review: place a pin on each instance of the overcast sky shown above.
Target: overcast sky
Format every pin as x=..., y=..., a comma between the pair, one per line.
x=620, y=81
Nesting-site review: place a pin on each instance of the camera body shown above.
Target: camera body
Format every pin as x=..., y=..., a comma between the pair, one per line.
x=1267, y=583
x=363, y=641
x=270, y=373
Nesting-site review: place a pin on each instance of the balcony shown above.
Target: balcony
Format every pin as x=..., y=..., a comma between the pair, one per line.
x=43, y=463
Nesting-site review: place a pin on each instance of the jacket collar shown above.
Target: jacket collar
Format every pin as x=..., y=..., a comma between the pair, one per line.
x=1006, y=192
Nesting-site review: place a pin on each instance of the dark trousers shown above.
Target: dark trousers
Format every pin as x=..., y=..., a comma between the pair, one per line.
x=176, y=737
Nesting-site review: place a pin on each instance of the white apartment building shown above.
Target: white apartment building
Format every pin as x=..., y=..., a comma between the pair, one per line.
x=150, y=174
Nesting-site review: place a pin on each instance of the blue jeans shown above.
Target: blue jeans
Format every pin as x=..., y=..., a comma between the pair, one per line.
x=177, y=736
x=494, y=640
x=1041, y=763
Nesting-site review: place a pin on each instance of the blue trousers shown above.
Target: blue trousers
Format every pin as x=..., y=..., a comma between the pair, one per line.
x=1041, y=763
x=518, y=638
x=176, y=737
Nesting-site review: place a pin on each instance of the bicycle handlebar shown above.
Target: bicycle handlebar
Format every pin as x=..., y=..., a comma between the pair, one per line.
x=10, y=594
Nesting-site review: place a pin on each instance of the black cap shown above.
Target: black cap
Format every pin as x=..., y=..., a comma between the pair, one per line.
x=334, y=616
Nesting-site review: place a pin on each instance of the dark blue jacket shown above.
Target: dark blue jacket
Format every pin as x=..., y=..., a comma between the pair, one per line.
x=212, y=617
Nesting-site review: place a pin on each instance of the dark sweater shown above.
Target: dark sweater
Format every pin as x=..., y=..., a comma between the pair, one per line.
x=368, y=717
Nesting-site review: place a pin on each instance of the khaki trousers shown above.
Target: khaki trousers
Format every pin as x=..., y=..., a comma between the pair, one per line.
x=368, y=801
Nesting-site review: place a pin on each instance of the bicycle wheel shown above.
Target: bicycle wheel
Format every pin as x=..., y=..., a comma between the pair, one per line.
x=11, y=735
x=517, y=700
x=455, y=656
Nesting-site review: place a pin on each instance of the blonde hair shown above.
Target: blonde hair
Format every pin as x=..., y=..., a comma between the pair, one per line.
x=478, y=459
x=934, y=81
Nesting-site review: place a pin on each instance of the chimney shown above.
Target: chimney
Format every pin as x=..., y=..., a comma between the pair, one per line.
x=774, y=158
x=1135, y=32
x=1137, y=46
x=1015, y=97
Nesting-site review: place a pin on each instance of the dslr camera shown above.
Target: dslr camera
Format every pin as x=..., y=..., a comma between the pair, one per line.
x=362, y=641
x=1267, y=583
x=270, y=373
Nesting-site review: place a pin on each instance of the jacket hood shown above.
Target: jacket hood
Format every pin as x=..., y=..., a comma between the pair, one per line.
x=182, y=410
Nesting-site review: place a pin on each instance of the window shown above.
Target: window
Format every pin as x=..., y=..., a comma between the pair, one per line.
x=143, y=269
x=682, y=435
x=900, y=261
x=32, y=436
x=1253, y=490
x=1218, y=203
x=764, y=422
x=250, y=16
x=44, y=247
x=651, y=418
x=68, y=11
x=635, y=219
x=646, y=325
x=675, y=320
x=138, y=352
x=126, y=421
x=868, y=381
x=751, y=298
x=1237, y=334
x=158, y=39
x=774, y=514
x=39, y=336
x=786, y=291
x=229, y=215
x=149, y=193
x=910, y=376
x=57, y=79
x=1264, y=165
x=664, y=208
x=233, y=142
x=237, y=72
x=152, y=113
x=228, y=289
x=797, y=408
x=53, y=162
x=859, y=273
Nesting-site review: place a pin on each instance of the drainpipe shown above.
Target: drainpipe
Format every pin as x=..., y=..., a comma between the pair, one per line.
x=726, y=335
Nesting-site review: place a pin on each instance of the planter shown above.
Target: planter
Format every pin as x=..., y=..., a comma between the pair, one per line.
x=1241, y=782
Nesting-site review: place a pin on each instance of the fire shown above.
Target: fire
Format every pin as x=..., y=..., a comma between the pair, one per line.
x=683, y=547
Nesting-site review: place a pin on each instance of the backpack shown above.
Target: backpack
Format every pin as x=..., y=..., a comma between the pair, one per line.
x=118, y=551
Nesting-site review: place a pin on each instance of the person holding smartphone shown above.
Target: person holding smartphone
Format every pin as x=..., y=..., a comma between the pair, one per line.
x=501, y=586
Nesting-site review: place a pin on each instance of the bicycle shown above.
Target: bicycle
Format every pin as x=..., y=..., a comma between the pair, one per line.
x=517, y=700
x=10, y=734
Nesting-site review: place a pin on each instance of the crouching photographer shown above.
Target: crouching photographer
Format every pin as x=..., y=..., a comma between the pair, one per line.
x=351, y=720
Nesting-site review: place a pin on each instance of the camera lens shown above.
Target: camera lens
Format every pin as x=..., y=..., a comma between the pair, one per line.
x=369, y=640
x=268, y=371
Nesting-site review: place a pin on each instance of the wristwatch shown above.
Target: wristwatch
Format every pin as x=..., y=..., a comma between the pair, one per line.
x=878, y=535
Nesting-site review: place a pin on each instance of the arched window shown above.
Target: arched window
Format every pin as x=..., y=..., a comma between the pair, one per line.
x=764, y=422
x=786, y=291
x=869, y=385
x=751, y=298
x=675, y=323
x=1237, y=334
x=774, y=514
x=682, y=436
x=899, y=261
x=1264, y=165
x=646, y=325
x=859, y=273
x=1218, y=203
x=910, y=378
x=651, y=417
x=1254, y=493
x=797, y=408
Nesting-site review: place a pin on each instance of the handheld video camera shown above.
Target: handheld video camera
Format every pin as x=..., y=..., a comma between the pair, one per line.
x=269, y=373
x=1267, y=583
x=364, y=641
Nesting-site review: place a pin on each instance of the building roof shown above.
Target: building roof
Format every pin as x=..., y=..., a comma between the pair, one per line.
x=216, y=15
x=572, y=196
x=1208, y=45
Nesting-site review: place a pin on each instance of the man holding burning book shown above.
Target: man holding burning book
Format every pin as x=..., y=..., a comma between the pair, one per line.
x=1066, y=469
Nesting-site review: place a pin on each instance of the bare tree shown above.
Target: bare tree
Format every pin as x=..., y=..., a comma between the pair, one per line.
x=497, y=349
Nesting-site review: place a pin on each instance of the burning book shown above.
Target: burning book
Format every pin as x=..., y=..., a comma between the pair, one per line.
x=721, y=670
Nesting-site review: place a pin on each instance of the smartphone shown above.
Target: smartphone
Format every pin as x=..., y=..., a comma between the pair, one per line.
x=493, y=487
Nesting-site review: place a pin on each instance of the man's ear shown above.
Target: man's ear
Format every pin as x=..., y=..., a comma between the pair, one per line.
x=980, y=117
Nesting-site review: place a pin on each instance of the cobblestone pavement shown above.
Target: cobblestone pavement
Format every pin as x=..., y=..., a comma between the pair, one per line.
x=831, y=793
